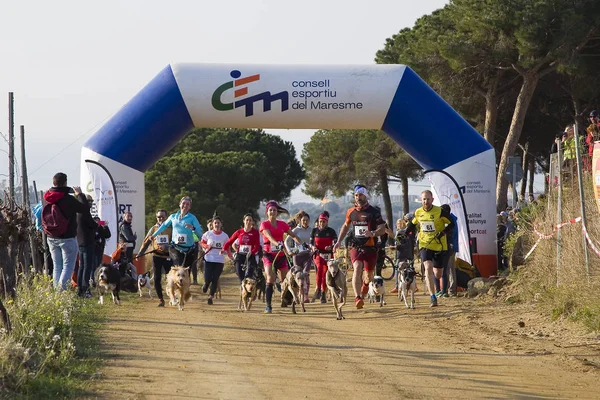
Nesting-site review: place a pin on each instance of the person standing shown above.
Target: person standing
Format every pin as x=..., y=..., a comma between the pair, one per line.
x=100, y=235
x=127, y=235
x=213, y=242
x=161, y=261
x=86, y=229
x=449, y=273
x=59, y=219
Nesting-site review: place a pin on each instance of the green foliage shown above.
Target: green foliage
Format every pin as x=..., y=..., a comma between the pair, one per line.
x=48, y=353
x=229, y=171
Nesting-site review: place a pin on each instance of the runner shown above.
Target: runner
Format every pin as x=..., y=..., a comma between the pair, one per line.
x=160, y=253
x=248, y=246
x=212, y=242
x=301, y=253
x=432, y=223
x=274, y=257
x=183, y=249
x=322, y=239
x=366, y=223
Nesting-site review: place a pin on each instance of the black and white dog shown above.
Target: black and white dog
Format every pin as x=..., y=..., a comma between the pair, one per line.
x=376, y=291
x=145, y=281
x=108, y=280
x=408, y=283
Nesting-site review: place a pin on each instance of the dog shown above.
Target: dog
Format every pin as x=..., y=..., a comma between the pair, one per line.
x=292, y=289
x=376, y=290
x=145, y=281
x=335, y=279
x=408, y=283
x=247, y=293
x=261, y=284
x=178, y=286
x=108, y=279
x=218, y=292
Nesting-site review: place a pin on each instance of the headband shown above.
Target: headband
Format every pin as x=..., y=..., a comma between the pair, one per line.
x=185, y=198
x=272, y=204
x=361, y=190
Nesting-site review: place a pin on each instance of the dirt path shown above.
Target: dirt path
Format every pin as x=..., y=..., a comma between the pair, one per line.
x=448, y=352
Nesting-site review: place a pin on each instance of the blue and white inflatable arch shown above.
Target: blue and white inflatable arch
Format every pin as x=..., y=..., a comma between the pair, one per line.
x=388, y=97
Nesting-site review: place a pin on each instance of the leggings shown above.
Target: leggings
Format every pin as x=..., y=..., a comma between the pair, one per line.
x=160, y=264
x=212, y=272
x=186, y=259
x=240, y=262
x=321, y=272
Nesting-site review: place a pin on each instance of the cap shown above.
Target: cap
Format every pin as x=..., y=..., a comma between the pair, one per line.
x=594, y=113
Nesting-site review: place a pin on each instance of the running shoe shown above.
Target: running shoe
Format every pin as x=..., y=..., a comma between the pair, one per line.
x=364, y=289
x=278, y=286
x=210, y=301
x=268, y=310
x=323, y=298
x=359, y=303
x=394, y=290
x=161, y=303
x=205, y=287
x=433, y=301
x=438, y=293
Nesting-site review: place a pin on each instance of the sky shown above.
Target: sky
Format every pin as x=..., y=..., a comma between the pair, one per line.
x=73, y=64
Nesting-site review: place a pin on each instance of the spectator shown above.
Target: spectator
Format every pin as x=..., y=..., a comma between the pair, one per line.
x=86, y=228
x=127, y=235
x=449, y=285
x=101, y=233
x=501, y=235
x=593, y=135
x=63, y=247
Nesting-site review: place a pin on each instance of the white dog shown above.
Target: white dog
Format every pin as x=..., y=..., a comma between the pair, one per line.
x=178, y=286
x=376, y=290
x=145, y=281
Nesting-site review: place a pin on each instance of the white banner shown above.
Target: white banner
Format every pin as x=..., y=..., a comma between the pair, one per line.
x=445, y=191
x=99, y=184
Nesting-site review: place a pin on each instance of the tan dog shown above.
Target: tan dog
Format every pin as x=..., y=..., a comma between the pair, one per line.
x=247, y=293
x=178, y=286
x=293, y=283
x=335, y=279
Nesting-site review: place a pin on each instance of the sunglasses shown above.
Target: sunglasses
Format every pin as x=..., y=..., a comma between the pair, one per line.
x=160, y=217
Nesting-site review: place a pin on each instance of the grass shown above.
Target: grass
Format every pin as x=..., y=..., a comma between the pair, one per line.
x=52, y=350
x=562, y=288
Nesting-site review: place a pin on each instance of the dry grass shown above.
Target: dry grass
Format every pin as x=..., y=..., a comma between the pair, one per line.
x=561, y=285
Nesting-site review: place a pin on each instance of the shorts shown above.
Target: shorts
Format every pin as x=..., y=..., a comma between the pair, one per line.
x=368, y=255
x=280, y=263
x=437, y=257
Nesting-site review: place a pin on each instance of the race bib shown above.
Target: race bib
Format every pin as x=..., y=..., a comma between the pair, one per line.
x=428, y=226
x=181, y=239
x=360, y=230
x=326, y=256
x=245, y=249
x=217, y=245
x=279, y=247
x=162, y=239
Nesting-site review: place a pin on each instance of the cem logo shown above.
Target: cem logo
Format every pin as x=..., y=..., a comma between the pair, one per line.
x=240, y=86
x=102, y=192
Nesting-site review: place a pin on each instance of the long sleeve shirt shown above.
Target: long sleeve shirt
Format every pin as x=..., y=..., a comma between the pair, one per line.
x=182, y=237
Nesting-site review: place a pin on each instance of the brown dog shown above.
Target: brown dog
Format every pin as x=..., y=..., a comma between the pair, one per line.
x=293, y=284
x=247, y=294
x=335, y=279
x=178, y=286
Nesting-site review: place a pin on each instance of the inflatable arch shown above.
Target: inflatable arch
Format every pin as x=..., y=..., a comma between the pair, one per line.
x=387, y=97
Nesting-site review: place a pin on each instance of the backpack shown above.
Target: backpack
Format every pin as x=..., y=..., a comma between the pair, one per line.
x=54, y=221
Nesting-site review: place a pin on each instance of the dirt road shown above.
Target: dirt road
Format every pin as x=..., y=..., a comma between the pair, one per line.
x=457, y=350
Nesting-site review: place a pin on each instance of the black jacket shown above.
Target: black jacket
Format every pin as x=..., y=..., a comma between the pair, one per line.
x=68, y=205
x=86, y=226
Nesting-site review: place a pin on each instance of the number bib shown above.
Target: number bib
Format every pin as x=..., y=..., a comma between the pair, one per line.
x=326, y=256
x=181, y=239
x=428, y=226
x=245, y=249
x=360, y=230
x=216, y=245
x=162, y=239
x=279, y=247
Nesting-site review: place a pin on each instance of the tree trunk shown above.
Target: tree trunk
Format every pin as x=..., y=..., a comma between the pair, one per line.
x=524, y=166
x=491, y=108
x=530, y=81
x=385, y=193
x=531, y=169
x=405, y=202
x=5, y=318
